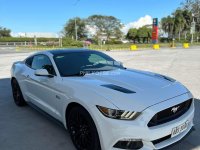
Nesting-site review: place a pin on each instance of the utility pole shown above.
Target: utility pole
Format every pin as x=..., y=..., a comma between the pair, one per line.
x=60, y=41
x=35, y=40
x=192, y=29
x=76, y=37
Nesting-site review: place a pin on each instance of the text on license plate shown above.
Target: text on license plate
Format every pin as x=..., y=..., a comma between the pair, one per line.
x=181, y=128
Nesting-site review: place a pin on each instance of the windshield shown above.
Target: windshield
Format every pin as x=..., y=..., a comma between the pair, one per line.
x=81, y=63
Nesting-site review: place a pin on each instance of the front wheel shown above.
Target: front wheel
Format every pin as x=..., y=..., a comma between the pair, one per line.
x=82, y=130
x=17, y=93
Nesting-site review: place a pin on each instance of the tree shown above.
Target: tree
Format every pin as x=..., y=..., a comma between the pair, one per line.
x=167, y=24
x=188, y=19
x=193, y=6
x=136, y=34
x=108, y=25
x=4, y=32
x=185, y=19
x=144, y=33
x=132, y=34
x=179, y=22
x=69, y=29
x=187, y=5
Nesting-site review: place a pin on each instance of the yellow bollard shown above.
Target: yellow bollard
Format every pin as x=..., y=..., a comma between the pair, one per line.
x=186, y=45
x=156, y=46
x=133, y=47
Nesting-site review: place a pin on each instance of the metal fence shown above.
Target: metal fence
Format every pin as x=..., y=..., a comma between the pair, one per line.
x=14, y=44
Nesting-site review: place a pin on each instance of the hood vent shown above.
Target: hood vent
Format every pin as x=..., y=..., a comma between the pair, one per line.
x=118, y=88
x=165, y=77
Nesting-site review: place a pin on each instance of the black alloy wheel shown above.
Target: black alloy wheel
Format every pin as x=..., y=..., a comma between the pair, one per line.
x=82, y=130
x=17, y=94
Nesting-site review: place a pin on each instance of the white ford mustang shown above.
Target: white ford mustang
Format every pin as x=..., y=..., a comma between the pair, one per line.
x=102, y=104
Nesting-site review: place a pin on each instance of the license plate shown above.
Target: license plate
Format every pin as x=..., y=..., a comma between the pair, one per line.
x=177, y=130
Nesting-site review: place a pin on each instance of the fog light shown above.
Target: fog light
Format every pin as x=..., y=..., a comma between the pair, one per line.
x=129, y=144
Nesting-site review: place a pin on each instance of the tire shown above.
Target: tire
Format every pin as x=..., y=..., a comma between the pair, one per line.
x=17, y=93
x=82, y=129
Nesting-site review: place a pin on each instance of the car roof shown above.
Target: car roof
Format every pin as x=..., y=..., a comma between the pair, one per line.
x=64, y=51
x=54, y=52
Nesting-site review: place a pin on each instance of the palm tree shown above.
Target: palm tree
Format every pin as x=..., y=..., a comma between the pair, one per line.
x=179, y=22
x=188, y=19
x=167, y=24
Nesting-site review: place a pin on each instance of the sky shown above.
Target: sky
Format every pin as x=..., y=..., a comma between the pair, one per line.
x=51, y=15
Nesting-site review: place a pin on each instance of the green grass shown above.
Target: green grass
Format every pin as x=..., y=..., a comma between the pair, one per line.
x=106, y=47
x=125, y=46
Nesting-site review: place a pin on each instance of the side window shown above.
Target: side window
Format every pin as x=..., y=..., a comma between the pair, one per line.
x=29, y=61
x=43, y=62
x=93, y=58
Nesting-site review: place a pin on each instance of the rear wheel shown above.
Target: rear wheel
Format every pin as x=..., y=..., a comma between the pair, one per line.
x=17, y=94
x=82, y=129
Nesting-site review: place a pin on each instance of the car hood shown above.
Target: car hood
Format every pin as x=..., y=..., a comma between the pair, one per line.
x=131, y=89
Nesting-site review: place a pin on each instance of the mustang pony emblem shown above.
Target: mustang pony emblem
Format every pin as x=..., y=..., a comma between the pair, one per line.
x=175, y=109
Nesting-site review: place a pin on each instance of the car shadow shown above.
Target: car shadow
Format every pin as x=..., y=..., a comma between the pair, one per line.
x=24, y=128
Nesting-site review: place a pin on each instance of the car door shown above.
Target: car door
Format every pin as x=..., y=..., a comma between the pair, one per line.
x=42, y=89
x=24, y=77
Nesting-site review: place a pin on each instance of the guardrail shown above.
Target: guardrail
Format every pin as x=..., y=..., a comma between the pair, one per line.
x=29, y=44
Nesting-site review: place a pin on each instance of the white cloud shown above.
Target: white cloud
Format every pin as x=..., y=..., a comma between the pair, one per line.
x=37, y=34
x=146, y=20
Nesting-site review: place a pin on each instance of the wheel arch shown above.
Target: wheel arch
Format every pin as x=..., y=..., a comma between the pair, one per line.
x=13, y=78
x=69, y=107
x=75, y=104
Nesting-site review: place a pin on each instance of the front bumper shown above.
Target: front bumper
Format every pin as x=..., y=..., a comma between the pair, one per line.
x=111, y=131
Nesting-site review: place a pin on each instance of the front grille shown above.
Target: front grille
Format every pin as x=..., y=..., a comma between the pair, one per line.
x=170, y=114
x=169, y=137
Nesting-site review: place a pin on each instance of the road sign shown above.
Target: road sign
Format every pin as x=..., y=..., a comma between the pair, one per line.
x=155, y=21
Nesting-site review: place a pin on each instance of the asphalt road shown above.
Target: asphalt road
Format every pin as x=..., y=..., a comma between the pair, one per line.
x=7, y=50
x=26, y=129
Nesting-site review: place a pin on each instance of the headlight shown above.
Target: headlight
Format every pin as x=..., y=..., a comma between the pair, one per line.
x=118, y=114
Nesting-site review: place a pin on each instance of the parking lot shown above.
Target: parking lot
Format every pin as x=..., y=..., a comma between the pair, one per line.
x=27, y=129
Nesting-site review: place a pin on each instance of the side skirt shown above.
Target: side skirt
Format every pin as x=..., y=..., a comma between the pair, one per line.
x=46, y=114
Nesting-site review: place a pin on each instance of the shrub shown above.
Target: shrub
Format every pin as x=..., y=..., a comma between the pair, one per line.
x=164, y=40
x=112, y=42
x=70, y=42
